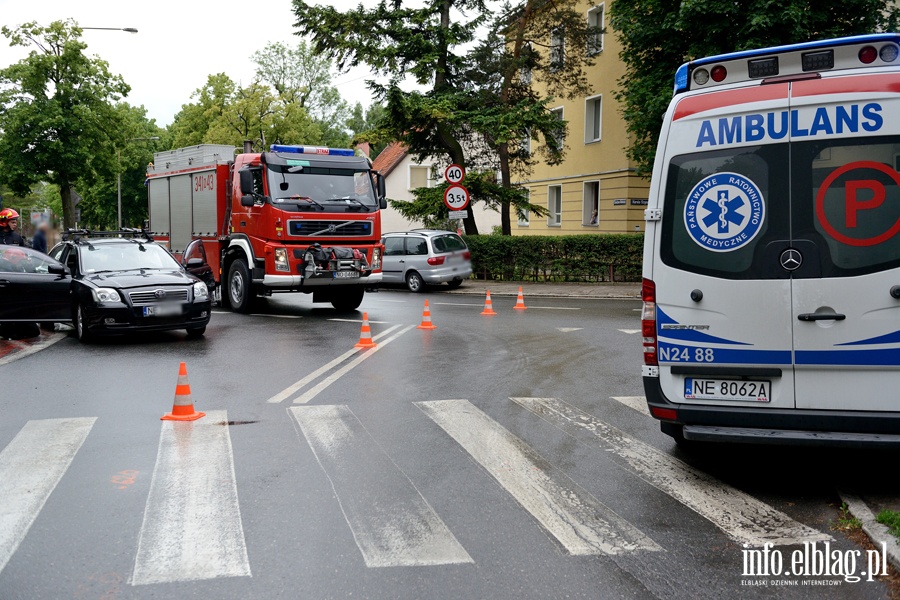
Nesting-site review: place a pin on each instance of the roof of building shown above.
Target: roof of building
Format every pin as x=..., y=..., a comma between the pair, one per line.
x=388, y=159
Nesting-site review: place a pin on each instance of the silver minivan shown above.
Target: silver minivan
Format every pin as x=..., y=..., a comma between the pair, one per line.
x=425, y=256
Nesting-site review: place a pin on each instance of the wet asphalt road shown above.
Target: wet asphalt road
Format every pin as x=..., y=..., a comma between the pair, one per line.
x=336, y=494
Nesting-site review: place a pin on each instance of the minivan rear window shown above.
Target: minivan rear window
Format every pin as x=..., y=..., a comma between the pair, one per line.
x=447, y=243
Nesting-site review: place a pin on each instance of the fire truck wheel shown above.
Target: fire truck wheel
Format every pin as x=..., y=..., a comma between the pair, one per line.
x=240, y=294
x=349, y=301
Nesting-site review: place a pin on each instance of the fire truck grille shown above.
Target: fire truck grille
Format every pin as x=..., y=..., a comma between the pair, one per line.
x=330, y=229
x=158, y=295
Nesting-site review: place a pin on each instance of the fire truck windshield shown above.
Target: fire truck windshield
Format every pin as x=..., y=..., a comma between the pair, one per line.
x=317, y=186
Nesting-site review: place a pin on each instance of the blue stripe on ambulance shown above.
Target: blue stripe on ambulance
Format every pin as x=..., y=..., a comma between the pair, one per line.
x=877, y=358
x=687, y=335
x=888, y=338
x=676, y=353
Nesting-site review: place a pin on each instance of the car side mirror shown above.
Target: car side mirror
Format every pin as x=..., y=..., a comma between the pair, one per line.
x=194, y=262
x=248, y=200
x=58, y=270
x=246, y=176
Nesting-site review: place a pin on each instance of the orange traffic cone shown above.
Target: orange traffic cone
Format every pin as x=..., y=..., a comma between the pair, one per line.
x=488, y=305
x=520, y=301
x=365, y=334
x=183, y=407
x=426, y=319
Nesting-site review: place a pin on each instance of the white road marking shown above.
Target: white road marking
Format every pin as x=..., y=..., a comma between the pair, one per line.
x=294, y=388
x=31, y=348
x=630, y=331
x=581, y=523
x=360, y=321
x=456, y=304
x=392, y=523
x=569, y=329
x=222, y=312
x=740, y=516
x=556, y=307
x=317, y=389
x=395, y=301
x=276, y=316
x=192, y=521
x=30, y=467
x=638, y=403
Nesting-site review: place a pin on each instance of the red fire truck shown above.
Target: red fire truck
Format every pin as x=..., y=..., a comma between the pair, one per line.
x=294, y=219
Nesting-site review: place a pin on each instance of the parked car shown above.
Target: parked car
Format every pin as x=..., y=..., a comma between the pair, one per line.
x=34, y=288
x=425, y=256
x=131, y=283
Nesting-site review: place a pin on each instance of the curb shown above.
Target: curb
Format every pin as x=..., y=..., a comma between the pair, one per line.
x=877, y=532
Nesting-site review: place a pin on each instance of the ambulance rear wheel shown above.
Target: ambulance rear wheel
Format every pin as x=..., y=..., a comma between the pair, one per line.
x=240, y=292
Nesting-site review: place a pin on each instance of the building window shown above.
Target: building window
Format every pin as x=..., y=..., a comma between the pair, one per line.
x=595, y=20
x=419, y=177
x=524, y=217
x=560, y=134
x=593, y=119
x=554, y=205
x=557, y=49
x=590, y=210
x=525, y=70
x=525, y=143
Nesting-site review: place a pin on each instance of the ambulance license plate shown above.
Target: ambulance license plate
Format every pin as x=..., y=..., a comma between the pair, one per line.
x=727, y=389
x=162, y=310
x=346, y=274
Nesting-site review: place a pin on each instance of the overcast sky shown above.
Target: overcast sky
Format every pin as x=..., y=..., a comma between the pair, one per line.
x=179, y=43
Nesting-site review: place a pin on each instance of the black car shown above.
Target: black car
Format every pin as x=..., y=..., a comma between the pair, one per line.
x=34, y=288
x=130, y=283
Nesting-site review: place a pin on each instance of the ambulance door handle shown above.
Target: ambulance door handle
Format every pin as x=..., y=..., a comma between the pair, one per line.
x=821, y=317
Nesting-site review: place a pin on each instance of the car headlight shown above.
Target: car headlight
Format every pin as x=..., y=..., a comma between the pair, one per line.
x=376, y=259
x=102, y=295
x=281, y=260
x=201, y=292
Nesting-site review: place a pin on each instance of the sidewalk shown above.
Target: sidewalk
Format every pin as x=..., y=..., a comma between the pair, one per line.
x=478, y=287
x=865, y=508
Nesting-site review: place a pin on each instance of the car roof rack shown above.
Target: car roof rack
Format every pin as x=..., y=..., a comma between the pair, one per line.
x=76, y=235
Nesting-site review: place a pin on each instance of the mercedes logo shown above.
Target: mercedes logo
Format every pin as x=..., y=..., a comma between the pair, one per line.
x=160, y=294
x=791, y=259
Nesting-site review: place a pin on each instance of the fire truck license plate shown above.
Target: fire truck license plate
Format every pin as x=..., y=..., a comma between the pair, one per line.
x=727, y=389
x=346, y=274
x=163, y=310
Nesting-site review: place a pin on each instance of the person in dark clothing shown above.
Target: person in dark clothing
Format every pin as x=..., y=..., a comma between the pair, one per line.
x=9, y=222
x=39, y=241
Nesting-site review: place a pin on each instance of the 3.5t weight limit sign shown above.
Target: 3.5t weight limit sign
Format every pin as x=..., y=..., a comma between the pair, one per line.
x=456, y=197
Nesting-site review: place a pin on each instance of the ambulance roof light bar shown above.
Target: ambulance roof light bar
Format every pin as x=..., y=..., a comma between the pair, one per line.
x=311, y=150
x=683, y=74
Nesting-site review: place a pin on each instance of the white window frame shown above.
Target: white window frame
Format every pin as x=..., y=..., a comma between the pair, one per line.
x=561, y=110
x=525, y=72
x=526, y=221
x=429, y=175
x=589, y=117
x=525, y=143
x=592, y=47
x=557, y=48
x=588, y=205
x=554, y=218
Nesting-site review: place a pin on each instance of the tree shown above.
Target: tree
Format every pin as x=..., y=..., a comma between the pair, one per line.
x=192, y=123
x=658, y=36
x=57, y=111
x=300, y=76
x=474, y=113
x=363, y=122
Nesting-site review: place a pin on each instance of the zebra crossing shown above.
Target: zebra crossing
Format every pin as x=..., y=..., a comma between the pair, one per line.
x=192, y=528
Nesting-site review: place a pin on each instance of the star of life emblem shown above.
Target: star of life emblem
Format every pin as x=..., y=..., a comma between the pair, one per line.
x=724, y=212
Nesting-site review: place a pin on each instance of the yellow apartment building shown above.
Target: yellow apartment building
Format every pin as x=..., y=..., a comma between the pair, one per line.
x=595, y=189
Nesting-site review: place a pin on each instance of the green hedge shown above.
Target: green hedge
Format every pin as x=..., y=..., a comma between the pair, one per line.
x=596, y=257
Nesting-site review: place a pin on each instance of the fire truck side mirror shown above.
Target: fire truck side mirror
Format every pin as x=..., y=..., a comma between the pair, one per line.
x=382, y=192
x=246, y=176
x=247, y=200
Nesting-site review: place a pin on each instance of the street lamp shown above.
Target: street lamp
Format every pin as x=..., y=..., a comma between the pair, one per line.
x=119, y=174
x=128, y=29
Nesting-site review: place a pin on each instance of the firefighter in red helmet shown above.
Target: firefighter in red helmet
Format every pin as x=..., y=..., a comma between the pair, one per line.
x=9, y=222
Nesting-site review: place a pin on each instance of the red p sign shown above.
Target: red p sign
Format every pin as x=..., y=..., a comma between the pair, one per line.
x=853, y=203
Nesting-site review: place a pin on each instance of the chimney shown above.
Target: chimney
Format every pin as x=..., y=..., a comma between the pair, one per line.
x=364, y=148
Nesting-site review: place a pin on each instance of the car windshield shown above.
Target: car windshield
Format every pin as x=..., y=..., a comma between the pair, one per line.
x=125, y=257
x=14, y=259
x=321, y=185
x=448, y=243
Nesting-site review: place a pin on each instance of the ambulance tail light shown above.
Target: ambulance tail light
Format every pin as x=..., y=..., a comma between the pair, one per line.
x=868, y=54
x=648, y=322
x=664, y=414
x=718, y=73
x=889, y=53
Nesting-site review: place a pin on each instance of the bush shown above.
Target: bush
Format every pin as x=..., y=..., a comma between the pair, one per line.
x=604, y=257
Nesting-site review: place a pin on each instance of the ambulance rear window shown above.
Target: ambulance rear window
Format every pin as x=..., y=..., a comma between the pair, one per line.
x=722, y=207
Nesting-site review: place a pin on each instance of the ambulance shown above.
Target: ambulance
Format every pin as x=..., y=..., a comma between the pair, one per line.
x=771, y=278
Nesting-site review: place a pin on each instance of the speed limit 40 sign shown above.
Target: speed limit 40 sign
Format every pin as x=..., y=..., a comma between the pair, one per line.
x=454, y=174
x=456, y=197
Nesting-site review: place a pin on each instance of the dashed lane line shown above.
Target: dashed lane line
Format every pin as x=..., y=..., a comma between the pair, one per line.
x=192, y=521
x=317, y=389
x=296, y=387
x=630, y=331
x=569, y=329
x=360, y=321
x=31, y=466
x=638, y=403
x=391, y=522
x=740, y=516
x=580, y=522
